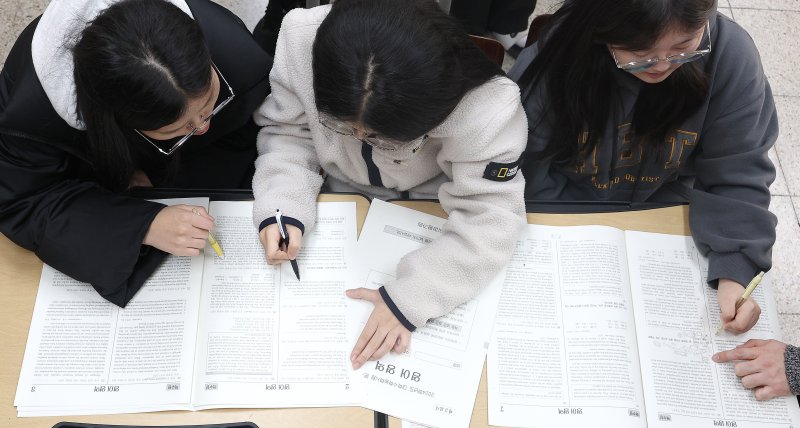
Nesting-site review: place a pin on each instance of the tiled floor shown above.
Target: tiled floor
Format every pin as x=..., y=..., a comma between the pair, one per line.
x=775, y=27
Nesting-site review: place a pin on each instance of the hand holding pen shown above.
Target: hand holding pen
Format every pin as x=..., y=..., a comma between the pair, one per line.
x=738, y=312
x=281, y=242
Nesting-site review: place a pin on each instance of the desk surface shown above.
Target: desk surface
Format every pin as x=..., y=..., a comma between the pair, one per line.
x=672, y=220
x=19, y=280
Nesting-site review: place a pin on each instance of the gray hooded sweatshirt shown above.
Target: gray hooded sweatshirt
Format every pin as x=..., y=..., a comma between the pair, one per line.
x=716, y=159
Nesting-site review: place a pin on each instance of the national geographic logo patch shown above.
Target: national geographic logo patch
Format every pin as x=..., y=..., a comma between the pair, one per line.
x=501, y=171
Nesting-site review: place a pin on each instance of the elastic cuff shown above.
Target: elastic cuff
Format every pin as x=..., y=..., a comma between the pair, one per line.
x=735, y=266
x=286, y=220
x=791, y=361
x=403, y=320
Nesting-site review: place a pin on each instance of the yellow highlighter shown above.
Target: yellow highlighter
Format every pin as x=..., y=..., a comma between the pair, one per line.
x=215, y=245
x=749, y=290
x=211, y=239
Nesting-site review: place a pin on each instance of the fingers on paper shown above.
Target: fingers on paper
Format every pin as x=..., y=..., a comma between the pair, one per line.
x=362, y=293
x=359, y=350
x=378, y=345
x=402, y=342
x=767, y=392
x=738, y=353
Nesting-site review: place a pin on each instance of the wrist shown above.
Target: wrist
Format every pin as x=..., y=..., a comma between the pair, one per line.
x=150, y=235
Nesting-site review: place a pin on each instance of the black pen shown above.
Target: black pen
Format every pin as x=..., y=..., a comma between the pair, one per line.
x=285, y=240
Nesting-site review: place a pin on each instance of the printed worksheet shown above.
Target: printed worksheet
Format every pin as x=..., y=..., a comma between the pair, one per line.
x=563, y=351
x=267, y=339
x=677, y=318
x=434, y=383
x=203, y=332
x=87, y=353
x=608, y=328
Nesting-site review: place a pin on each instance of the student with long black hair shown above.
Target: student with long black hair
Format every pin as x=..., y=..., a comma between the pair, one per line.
x=391, y=99
x=658, y=100
x=100, y=96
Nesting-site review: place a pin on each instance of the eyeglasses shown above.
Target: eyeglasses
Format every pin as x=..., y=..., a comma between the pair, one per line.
x=374, y=140
x=203, y=124
x=681, y=58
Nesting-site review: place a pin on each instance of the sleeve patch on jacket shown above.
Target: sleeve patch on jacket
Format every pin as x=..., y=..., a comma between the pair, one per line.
x=502, y=171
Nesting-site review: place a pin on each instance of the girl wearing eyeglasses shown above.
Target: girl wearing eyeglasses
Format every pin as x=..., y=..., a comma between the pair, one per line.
x=664, y=101
x=100, y=96
x=391, y=99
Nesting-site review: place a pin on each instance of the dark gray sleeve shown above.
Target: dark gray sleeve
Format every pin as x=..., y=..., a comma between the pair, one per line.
x=729, y=215
x=524, y=59
x=791, y=360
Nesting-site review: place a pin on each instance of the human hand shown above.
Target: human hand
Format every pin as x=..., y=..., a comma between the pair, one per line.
x=139, y=179
x=270, y=236
x=180, y=230
x=762, y=367
x=382, y=333
x=733, y=320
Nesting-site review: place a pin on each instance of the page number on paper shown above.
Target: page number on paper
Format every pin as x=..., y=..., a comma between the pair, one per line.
x=347, y=386
x=502, y=409
x=33, y=389
x=278, y=386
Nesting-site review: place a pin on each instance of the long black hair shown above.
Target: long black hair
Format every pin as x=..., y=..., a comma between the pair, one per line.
x=576, y=70
x=137, y=64
x=398, y=67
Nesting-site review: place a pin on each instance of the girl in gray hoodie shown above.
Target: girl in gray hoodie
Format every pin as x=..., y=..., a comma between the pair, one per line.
x=659, y=100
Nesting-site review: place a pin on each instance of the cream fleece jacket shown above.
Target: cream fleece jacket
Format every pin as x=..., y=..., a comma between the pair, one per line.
x=487, y=128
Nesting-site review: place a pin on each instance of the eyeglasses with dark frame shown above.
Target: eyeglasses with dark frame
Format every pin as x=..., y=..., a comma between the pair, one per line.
x=681, y=58
x=194, y=130
x=374, y=140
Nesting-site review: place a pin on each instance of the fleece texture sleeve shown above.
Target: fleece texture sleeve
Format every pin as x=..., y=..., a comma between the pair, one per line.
x=729, y=214
x=287, y=173
x=485, y=216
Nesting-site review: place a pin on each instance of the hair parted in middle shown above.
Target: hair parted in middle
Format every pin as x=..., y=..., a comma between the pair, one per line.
x=397, y=67
x=137, y=64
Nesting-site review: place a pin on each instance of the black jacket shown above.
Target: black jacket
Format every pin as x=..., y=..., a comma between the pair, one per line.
x=49, y=200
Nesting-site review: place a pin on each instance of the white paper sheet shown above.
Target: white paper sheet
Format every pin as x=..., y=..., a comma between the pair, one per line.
x=84, y=351
x=563, y=352
x=435, y=381
x=203, y=332
x=267, y=339
x=677, y=317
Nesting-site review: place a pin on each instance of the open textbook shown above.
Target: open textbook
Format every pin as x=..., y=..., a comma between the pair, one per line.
x=204, y=332
x=599, y=327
